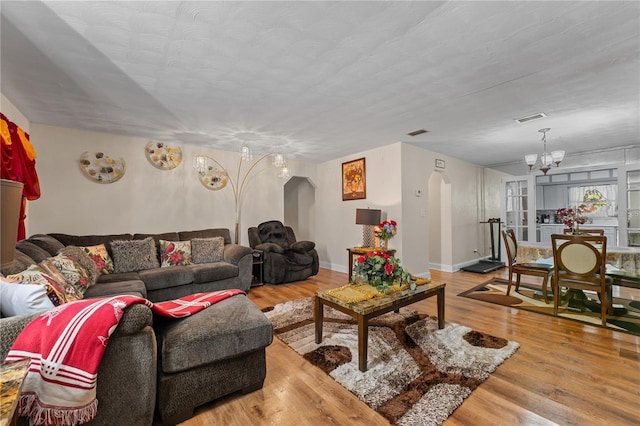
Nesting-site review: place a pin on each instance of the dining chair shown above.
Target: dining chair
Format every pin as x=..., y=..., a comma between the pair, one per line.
x=534, y=269
x=585, y=231
x=579, y=263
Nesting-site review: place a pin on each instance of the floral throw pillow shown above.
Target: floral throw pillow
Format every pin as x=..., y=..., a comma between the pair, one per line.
x=100, y=256
x=174, y=253
x=74, y=274
x=35, y=275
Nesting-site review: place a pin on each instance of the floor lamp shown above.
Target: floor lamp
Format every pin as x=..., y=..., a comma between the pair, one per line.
x=369, y=218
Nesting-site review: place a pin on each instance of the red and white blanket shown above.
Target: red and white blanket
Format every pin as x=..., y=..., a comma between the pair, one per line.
x=66, y=345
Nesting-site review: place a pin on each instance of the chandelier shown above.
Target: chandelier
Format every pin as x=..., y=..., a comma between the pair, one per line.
x=546, y=159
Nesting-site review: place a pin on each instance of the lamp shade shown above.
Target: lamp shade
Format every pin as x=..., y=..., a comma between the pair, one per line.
x=10, y=215
x=367, y=217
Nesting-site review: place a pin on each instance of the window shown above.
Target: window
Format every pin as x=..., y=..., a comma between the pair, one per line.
x=601, y=200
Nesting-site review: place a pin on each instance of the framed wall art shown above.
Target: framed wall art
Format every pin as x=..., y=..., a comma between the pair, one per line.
x=354, y=180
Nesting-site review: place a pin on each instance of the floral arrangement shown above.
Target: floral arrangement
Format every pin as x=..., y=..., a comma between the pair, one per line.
x=380, y=270
x=354, y=176
x=572, y=217
x=386, y=229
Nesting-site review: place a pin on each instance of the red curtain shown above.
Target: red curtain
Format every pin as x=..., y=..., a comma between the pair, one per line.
x=19, y=164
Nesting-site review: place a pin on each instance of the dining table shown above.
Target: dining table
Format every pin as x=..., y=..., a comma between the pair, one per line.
x=626, y=259
x=622, y=263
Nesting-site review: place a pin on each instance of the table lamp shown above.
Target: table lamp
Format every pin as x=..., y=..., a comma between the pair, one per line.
x=11, y=196
x=368, y=218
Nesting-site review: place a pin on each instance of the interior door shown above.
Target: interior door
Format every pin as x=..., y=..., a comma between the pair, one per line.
x=518, y=206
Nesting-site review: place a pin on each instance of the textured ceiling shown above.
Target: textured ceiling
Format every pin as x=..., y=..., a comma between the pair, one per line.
x=327, y=79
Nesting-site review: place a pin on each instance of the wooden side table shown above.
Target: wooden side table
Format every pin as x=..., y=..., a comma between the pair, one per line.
x=361, y=251
x=258, y=268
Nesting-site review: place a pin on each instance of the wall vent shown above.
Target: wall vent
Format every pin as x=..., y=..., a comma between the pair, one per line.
x=530, y=117
x=417, y=132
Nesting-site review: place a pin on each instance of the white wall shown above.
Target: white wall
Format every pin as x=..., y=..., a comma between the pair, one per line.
x=299, y=208
x=13, y=113
x=146, y=199
x=336, y=229
x=459, y=210
x=149, y=200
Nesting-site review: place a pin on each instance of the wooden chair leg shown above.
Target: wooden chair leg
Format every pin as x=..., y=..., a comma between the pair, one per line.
x=517, y=282
x=604, y=308
x=545, y=280
x=510, y=280
x=556, y=297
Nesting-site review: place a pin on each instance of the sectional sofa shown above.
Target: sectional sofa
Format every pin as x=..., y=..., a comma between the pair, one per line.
x=154, y=365
x=156, y=283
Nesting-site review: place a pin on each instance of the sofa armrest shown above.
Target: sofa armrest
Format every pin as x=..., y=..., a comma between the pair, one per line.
x=10, y=328
x=270, y=248
x=134, y=319
x=234, y=252
x=302, y=246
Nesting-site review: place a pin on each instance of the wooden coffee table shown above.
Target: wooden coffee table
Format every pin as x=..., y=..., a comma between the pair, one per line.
x=363, y=311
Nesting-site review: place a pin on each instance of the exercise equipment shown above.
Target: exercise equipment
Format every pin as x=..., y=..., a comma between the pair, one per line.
x=488, y=265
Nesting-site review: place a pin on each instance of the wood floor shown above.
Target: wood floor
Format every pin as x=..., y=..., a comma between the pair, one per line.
x=564, y=373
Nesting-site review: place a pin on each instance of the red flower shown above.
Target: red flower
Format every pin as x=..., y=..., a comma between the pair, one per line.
x=169, y=248
x=361, y=259
x=100, y=263
x=176, y=257
x=388, y=268
x=385, y=256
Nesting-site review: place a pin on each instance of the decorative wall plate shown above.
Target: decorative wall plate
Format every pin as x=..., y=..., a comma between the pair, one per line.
x=214, y=178
x=162, y=155
x=101, y=168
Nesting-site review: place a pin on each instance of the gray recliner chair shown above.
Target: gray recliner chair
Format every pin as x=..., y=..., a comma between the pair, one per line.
x=285, y=259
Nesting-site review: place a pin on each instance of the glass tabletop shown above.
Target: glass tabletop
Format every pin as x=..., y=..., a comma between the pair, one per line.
x=380, y=301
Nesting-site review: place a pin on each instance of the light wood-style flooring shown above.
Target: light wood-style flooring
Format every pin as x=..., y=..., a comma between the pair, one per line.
x=564, y=373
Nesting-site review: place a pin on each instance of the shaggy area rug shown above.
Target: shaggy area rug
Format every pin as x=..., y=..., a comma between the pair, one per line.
x=416, y=374
x=626, y=315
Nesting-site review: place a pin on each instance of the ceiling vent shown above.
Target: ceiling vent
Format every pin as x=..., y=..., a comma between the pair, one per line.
x=531, y=117
x=417, y=132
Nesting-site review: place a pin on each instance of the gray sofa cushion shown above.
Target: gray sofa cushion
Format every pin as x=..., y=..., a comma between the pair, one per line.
x=90, y=240
x=51, y=244
x=132, y=287
x=20, y=262
x=208, y=272
x=173, y=276
x=224, y=330
x=123, y=276
x=134, y=255
x=35, y=252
